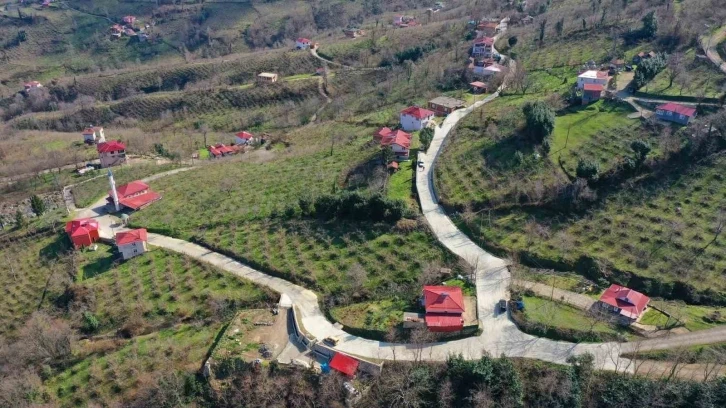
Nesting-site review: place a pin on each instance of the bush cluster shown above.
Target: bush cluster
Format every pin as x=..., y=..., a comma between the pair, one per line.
x=354, y=206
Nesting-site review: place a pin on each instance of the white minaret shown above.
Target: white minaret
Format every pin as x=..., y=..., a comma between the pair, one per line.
x=112, y=183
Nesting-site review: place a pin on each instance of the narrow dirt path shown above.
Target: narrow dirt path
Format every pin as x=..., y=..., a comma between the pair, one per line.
x=709, y=44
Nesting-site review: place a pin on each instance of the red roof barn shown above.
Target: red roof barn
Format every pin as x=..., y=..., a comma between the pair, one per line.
x=624, y=301
x=345, y=364
x=444, y=308
x=83, y=232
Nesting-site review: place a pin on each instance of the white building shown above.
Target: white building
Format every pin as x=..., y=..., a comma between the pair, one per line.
x=243, y=138
x=483, y=47
x=32, y=85
x=415, y=118
x=111, y=153
x=303, y=44
x=593, y=77
x=131, y=243
x=93, y=134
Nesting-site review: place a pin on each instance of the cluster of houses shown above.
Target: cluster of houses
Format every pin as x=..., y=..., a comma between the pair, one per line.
x=84, y=232
x=241, y=141
x=128, y=29
x=411, y=119
x=484, y=59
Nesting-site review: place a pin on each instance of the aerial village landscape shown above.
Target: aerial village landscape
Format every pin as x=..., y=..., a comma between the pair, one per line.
x=470, y=203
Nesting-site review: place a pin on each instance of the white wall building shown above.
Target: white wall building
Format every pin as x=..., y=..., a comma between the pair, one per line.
x=415, y=118
x=593, y=77
x=132, y=243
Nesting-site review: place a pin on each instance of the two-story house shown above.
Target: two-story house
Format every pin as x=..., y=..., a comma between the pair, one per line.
x=111, y=153
x=132, y=243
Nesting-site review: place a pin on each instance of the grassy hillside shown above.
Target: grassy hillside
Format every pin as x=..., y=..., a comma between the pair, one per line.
x=251, y=211
x=155, y=315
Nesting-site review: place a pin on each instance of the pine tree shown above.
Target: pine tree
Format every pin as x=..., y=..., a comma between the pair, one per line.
x=37, y=205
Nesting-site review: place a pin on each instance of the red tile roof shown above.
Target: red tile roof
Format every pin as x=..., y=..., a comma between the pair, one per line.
x=444, y=323
x=112, y=146
x=484, y=40
x=385, y=131
x=478, y=84
x=393, y=165
x=130, y=189
x=127, y=237
x=345, y=364
x=593, y=87
x=32, y=84
x=398, y=137
x=303, y=40
x=631, y=303
x=224, y=149
x=214, y=151
x=678, y=108
x=443, y=299
x=417, y=112
x=140, y=201
x=81, y=226
x=244, y=135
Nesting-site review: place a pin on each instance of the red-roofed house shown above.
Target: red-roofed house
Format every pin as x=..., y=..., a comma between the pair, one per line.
x=111, y=153
x=415, y=118
x=303, y=43
x=134, y=195
x=675, y=112
x=129, y=20
x=444, y=308
x=32, y=85
x=399, y=141
x=131, y=243
x=627, y=303
x=82, y=232
x=93, y=134
x=591, y=93
x=344, y=364
x=383, y=132
x=243, y=138
x=483, y=47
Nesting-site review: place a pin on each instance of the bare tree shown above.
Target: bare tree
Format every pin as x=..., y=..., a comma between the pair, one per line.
x=675, y=67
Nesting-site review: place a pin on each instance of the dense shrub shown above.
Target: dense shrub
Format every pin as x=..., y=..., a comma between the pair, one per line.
x=357, y=206
x=540, y=119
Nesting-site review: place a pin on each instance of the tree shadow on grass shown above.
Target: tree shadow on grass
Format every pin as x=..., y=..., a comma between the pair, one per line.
x=59, y=246
x=99, y=265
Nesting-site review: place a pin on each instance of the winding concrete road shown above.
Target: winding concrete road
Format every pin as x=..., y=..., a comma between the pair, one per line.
x=499, y=334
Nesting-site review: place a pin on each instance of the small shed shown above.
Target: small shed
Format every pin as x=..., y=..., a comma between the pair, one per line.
x=344, y=364
x=267, y=78
x=478, y=87
x=443, y=105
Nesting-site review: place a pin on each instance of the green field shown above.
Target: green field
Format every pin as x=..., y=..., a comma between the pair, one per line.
x=555, y=314
x=699, y=79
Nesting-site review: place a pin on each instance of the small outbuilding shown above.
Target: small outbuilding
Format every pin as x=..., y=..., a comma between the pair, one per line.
x=627, y=303
x=132, y=243
x=443, y=105
x=344, y=364
x=267, y=78
x=675, y=112
x=478, y=87
x=82, y=232
x=303, y=43
x=243, y=138
x=32, y=85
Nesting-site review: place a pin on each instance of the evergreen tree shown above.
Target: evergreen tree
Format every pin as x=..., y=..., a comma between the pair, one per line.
x=37, y=205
